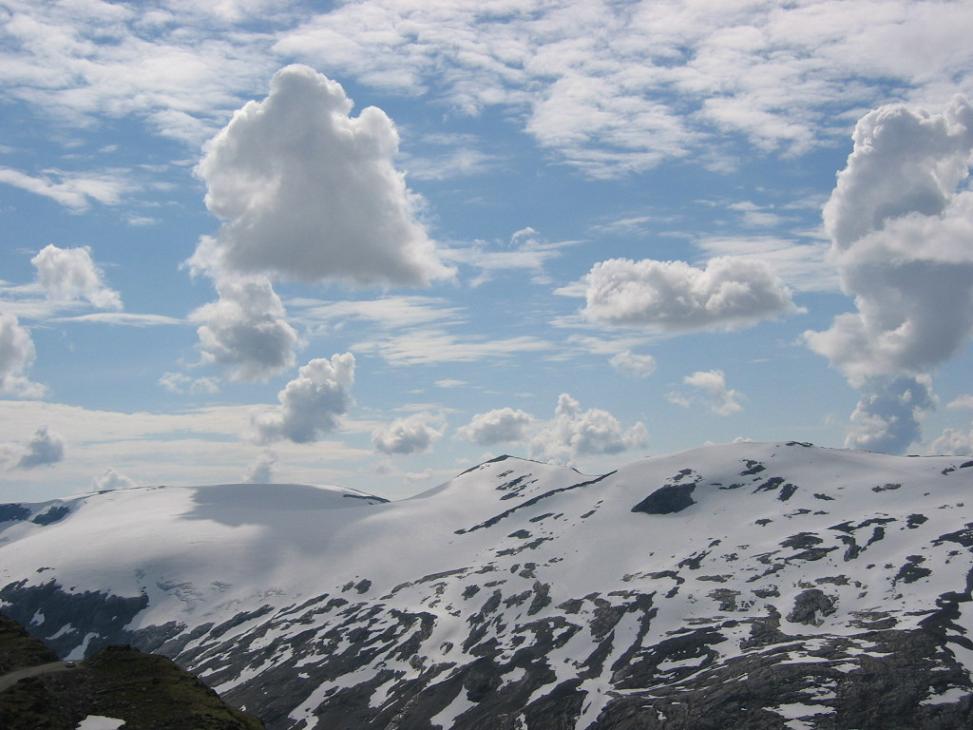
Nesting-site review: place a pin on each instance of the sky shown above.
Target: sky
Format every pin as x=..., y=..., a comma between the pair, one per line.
x=372, y=243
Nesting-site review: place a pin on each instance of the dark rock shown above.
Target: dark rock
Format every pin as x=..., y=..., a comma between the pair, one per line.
x=13, y=513
x=886, y=487
x=809, y=605
x=911, y=571
x=667, y=499
x=753, y=467
x=52, y=515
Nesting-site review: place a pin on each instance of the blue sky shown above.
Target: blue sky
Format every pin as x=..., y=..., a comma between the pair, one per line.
x=372, y=243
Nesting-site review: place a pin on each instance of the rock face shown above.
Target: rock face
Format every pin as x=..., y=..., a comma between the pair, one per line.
x=741, y=586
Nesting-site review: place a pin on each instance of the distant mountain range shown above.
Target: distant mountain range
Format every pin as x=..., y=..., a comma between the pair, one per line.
x=737, y=586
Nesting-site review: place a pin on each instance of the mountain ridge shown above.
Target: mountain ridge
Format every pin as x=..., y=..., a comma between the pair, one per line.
x=814, y=581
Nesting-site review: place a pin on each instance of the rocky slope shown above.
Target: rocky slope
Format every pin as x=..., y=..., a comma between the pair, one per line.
x=143, y=691
x=738, y=586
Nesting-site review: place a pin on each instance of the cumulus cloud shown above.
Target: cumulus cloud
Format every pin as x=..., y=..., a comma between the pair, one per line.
x=311, y=403
x=411, y=435
x=262, y=470
x=17, y=354
x=70, y=274
x=573, y=432
x=111, y=479
x=674, y=296
x=307, y=192
x=888, y=416
x=901, y=237
x=181, y=384
x=500, y=425
x=45, y=448
x=638, y=366
x=246, y=329
x=709, y=387
x=953, y=442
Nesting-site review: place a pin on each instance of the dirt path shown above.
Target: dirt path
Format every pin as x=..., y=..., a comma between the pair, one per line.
x=11, y=678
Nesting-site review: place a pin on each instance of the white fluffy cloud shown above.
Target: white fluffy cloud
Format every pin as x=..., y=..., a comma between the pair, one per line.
x=902, y=238
x=45, y=448
x=710, y=387
x=70, y=274
x=311, y=403
x=411, y=435
x=675, y=296
x=888, y=416
x=501, y=425
x=573, y=432
x=111, y=479
x=307, y=192
x=630, y=363
x=246, y=329
x=17, y=354
x=953, y=442
x=262, y=470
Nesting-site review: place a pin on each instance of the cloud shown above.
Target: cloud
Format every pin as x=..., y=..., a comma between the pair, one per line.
x=526, y=251
x=431, y=346
x=261, y=471
x=673, y=296
x=452, y=156
x=501, y=425
x=901, y=235
x=756, y=216
x=17, y=354
x=614, y=88
x=69, y=274
x=804, y=267
x=184, y=446
x=246, y=329
x=710, y=387
x=610, y=88
x=75, y=191
x=111, y=479
x=961, y=402
x=450, y=383
x=311, y=403
x=181, y=384
x=638, y=366
x=122, y=319
x=953, y=442
x=573, y=432
x=390, y=312
x=411, y=435
x=888, y=415
x=307, y=192
x=177, y=72
x=45, y=448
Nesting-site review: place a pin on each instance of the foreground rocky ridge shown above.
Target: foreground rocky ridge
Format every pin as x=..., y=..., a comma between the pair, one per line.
x=145, y=692
x=747, y=585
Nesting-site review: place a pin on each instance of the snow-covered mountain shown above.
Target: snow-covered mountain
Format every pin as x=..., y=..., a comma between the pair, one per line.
x=737, y=586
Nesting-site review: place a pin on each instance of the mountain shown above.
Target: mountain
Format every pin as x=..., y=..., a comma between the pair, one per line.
x=736, y=586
